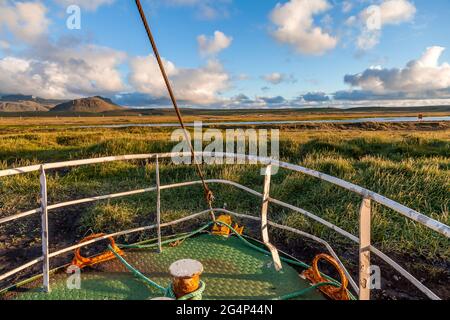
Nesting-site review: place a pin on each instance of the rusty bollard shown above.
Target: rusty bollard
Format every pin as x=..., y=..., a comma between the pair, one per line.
x=185, y=276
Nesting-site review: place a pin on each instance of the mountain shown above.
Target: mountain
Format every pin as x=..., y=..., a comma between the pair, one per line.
x=26, y=103
x=22, y=106
x=22, y=97
x=92, y=105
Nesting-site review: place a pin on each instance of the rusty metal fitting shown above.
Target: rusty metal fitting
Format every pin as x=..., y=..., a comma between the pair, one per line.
x=185, y=276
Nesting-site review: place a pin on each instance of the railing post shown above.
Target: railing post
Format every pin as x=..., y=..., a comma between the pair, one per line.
x=364, y=249
x=264, y=220
x=158, y=205
x=44, y=219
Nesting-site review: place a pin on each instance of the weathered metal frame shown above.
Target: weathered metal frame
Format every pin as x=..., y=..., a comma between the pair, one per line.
x=264, y=219
x=365, y=215
x=44, y=231
x=365, y=246
x=158, y=205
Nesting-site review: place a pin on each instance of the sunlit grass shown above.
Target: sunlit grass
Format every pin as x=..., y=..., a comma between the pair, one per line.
x=411, y=168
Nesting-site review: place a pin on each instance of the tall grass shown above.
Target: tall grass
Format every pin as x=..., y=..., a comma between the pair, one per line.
x=411, y=168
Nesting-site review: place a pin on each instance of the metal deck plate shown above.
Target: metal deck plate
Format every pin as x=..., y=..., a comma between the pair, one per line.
x=233, y=271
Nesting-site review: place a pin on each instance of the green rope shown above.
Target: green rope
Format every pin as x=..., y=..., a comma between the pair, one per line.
x=149, y=246
x=290, y=261
x=168, y=292
x=136, y=272
x=154, y=240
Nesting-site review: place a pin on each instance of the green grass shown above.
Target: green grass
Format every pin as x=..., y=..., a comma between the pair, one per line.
x=411, y=168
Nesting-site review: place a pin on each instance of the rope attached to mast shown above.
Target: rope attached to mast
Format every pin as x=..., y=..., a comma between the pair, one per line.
x=208, y=193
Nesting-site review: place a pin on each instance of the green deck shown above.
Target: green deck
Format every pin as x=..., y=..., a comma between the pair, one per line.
x=232, y=271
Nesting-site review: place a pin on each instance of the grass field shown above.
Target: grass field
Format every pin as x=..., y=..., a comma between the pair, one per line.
x=411, y=167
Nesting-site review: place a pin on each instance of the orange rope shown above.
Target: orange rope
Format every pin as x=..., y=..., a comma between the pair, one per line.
x=83, y=262
x=313, y=274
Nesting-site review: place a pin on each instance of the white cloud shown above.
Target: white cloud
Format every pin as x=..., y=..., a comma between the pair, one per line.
x=27, y=21
x=375, y=17
x=424, y=76
x=277, y=78
x=397, y=11
x=215, y=44
x=274, y=78
x=90, y=5
x=198, y=86
x=64, y=73
x=294, y=22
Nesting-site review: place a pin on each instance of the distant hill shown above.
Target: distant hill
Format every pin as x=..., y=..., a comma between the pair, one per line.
x=17, y=103
x=22, y=106
x=88, y=105
x=22, y=97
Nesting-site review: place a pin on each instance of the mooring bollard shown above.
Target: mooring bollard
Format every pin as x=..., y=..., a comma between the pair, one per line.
x=185, y=276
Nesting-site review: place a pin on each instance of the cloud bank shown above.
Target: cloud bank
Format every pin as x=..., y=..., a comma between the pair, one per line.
x=419, y=78
x=63, y=73
x=201, y=86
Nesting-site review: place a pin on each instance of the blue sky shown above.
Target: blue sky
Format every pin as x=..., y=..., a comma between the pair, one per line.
x=254, y=53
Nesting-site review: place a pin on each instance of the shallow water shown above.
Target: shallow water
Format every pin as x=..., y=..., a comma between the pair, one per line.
x=235, y=123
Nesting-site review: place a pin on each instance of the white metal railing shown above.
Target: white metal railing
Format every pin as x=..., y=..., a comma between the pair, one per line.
x=365, y=247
